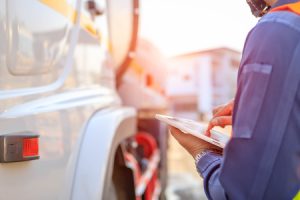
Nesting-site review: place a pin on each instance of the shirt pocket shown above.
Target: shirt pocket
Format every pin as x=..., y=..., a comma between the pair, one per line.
x=253, y=84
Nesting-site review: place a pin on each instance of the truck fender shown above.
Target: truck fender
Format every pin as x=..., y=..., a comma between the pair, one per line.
x=102, y=135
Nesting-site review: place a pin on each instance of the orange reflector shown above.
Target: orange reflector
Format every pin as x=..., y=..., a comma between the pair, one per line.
x=30, y=147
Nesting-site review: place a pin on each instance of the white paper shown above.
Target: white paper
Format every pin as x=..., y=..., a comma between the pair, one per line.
x=195, y=128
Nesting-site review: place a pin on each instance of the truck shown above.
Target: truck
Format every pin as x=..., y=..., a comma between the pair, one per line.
x=65, y=131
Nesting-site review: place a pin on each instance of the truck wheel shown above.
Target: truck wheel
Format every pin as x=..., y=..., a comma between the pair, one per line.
x=120, y=185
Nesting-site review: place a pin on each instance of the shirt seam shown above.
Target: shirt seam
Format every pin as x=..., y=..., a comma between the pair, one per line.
x=275, y=18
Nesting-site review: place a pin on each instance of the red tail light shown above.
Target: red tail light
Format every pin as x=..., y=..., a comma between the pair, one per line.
x=30, y=147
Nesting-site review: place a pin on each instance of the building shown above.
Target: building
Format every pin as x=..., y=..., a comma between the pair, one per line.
x=200, y=80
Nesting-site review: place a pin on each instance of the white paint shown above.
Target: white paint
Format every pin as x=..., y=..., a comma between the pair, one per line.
x=94, y=154
x=75, y=98
x=5, y=94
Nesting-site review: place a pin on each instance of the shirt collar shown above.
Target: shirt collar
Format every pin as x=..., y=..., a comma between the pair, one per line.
x=282, y=2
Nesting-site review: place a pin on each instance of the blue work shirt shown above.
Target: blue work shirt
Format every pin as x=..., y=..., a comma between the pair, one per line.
x=262, y=160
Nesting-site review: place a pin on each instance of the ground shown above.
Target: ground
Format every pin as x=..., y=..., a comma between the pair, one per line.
x=184, y=181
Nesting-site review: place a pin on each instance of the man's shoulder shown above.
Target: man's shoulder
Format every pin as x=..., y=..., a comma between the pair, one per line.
x=273, y=41
x=278, y=31
x=281, y=19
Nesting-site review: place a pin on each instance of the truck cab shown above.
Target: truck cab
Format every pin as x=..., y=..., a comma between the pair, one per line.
x=65, y=132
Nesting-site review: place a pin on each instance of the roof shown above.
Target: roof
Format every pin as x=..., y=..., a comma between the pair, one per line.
x=214, y=50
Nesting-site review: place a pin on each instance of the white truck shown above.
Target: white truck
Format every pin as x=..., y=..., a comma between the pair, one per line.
x=64, y=132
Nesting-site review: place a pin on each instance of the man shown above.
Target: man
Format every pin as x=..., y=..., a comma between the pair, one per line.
x=262, y=160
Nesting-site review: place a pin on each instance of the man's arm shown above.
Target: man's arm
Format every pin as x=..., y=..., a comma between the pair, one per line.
x=208, y=166
x=208, y=159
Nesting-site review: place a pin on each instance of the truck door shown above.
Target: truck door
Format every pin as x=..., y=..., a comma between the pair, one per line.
x=37, y=39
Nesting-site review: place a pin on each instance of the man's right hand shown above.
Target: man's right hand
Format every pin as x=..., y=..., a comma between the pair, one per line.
x=222, y=116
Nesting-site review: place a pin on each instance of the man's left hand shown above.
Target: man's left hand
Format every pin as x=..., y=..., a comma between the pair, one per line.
x=191, y=143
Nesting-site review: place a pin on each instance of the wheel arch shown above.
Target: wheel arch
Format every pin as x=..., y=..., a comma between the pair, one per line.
x=96, y=152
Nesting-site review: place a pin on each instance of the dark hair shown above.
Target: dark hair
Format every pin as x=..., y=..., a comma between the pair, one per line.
x=258, y=7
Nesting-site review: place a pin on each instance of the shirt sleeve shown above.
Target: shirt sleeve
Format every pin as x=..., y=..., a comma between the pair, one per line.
x=208, y=166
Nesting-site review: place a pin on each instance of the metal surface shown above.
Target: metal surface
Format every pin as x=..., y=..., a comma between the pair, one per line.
x=104, y=132
x=54, y=76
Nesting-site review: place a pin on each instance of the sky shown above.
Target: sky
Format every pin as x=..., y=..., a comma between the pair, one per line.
x=184, y=26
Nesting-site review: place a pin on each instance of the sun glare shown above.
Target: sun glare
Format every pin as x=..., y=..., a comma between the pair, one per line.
x=180, y=26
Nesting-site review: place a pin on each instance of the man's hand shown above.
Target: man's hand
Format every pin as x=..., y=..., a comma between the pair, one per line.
x=222, y=116
x=191, y=143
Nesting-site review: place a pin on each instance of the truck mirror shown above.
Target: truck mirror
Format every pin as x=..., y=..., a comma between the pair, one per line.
x=123, y=30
